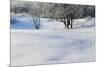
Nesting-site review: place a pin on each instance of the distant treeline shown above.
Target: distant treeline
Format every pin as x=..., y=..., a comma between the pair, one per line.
x=56, y=11
x=53, y=10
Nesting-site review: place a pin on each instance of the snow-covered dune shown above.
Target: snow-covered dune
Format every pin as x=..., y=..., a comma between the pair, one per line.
x=53, y=43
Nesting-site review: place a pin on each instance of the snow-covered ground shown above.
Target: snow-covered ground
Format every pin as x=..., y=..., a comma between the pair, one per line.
x=53, y=43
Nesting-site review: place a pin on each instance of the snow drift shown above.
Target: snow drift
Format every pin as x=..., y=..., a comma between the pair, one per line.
x=52, y=43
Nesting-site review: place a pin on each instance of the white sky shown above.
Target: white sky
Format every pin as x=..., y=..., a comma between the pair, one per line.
x=85, y=2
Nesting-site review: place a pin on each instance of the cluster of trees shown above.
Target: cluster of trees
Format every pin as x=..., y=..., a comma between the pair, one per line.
x=55, y=11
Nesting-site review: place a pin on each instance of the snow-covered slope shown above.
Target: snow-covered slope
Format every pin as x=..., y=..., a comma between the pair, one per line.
x=20, y=22
x=53, y=43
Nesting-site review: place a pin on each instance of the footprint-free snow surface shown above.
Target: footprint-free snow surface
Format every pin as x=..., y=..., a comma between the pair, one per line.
x=52, y=43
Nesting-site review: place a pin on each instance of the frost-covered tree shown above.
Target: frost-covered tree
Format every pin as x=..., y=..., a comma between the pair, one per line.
x=55, y=11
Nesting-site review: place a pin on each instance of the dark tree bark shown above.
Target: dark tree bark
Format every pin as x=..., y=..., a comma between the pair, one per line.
x=68, y=21
x=71, y=18
x=64, y=22
x=71, y=23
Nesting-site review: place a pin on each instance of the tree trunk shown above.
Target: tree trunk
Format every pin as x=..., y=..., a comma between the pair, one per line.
x=71, y=18
x=65, y=22
x=71, y=23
